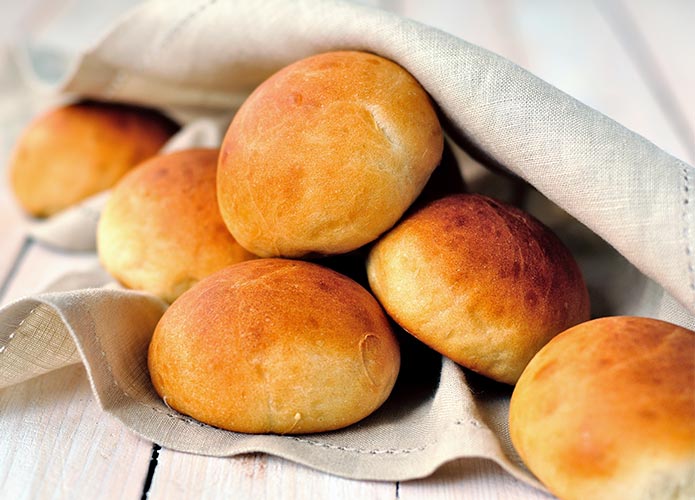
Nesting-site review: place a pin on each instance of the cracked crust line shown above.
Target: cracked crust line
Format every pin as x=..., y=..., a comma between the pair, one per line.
x=384, y=125
x=363, y=354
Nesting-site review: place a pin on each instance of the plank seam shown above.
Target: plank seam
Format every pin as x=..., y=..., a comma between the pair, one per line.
x=154, y=461
x=12, y=272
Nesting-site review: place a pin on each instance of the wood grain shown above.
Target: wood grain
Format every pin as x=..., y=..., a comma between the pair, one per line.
x=182, y=476
x=58, y=443
x=41, y=266
x=660, y=44
x=571, y=45
x=469, y=478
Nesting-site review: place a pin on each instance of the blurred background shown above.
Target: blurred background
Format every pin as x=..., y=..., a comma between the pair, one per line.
x=632, y=60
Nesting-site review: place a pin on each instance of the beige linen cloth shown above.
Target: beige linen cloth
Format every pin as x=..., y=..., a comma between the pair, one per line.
x=201, y=59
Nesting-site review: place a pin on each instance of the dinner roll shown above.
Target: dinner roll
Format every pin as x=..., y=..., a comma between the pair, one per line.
x=275, y=346
x=606, y=410
x=161, y=230
x=479, y=281
x=78, y=150
x=330, y=152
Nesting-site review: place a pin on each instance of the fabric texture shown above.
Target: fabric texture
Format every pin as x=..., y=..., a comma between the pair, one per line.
x=631, y=222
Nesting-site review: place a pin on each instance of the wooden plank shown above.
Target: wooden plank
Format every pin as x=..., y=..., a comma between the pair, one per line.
x=469, y=478
x=15, y=250
x=577, y=51
x=41, y=266
x=183, y=476
x=12, y=118
x=658, y=38
x=490, y=25
x=570, y=45
x=18, y=18
x=13, y=238
x=57, y=442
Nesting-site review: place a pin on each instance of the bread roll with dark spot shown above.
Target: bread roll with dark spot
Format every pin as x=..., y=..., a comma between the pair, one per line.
x=482, y=282
x=78, y=150
x=275, y=346
x=161, y=230
x=606, y=410
x=326, y=155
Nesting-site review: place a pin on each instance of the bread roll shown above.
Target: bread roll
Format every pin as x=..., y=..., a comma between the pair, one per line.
x=479, y=281
x=75, y=151
x=275, y=346
x=330, y=152
x=161, y=229
x=606, y=410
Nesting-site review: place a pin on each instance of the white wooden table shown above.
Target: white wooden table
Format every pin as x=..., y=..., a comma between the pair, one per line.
x=633, y=60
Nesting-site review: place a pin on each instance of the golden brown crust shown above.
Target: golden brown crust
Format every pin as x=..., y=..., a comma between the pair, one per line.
x=480, y=281
x=607, y=410
x=330, y=151
x=161, y=230
x=78, y=150
x=275, y=346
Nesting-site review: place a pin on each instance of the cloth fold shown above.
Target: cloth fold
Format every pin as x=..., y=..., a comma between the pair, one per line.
x=205, y=56
x=423, y=425
x=198, y=59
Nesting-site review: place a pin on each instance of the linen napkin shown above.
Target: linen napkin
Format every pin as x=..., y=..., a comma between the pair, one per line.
x=635, y=235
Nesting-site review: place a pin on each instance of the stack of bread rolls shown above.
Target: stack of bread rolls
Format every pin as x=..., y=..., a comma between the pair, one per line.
x=324, y=160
